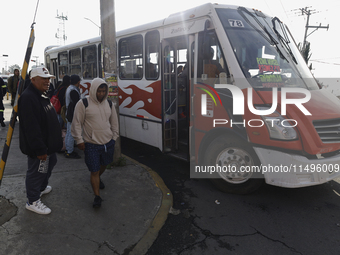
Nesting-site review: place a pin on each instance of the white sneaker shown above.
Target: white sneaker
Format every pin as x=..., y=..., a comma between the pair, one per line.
x=38, y=207
x=48, y=189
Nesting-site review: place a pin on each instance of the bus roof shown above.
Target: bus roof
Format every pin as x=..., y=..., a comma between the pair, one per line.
x=199, y=11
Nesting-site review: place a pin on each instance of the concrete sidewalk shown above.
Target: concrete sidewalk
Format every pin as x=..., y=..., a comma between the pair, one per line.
x=135, y=207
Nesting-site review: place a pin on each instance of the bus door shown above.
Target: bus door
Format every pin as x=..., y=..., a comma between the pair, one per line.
x=175, y=96
x=54, y=71
x=51, y=65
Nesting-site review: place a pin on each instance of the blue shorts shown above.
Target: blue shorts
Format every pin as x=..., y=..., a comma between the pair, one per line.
x=98, y=155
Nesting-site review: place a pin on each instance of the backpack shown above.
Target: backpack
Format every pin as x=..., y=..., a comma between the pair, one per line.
x=86, y=103
x=56, y=103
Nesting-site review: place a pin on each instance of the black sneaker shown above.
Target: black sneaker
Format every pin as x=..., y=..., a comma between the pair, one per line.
x=73, y=154
x=3, y=124
x=101, y=184
x=97, y=202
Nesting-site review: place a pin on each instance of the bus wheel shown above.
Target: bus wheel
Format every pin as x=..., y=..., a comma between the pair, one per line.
x=233, y=160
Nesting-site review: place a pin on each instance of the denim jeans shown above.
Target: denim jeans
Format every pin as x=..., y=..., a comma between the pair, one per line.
x=61, y=121
x=69, y=141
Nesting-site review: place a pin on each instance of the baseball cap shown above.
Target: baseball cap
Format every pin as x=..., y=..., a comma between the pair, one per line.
x=41, y=71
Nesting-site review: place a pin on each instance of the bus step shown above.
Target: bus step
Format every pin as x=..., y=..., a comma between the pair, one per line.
x=179, y=155
x=183, y=142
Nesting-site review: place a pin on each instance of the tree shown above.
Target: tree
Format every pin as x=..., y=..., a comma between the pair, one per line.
x=12, y=67
x=306, y=54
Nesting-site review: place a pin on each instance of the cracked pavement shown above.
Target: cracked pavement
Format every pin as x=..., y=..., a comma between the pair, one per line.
x=272, y=220
x=131, y=199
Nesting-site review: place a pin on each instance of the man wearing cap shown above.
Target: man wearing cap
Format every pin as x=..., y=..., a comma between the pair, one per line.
x=39, y=137
x=72, y=96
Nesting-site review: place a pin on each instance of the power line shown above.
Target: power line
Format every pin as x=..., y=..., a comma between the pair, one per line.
x=323, y=62
x=306, y=11
x=284, y=9
x=326, y=58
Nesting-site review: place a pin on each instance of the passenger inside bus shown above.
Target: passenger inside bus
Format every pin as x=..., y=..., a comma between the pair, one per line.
x=86, y=75
x=211, y=67
x=245, y=67
x=152, y=71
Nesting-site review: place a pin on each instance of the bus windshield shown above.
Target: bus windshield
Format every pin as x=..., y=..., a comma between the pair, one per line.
x=265, y=50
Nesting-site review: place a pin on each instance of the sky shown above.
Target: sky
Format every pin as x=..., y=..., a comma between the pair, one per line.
x=17, y=17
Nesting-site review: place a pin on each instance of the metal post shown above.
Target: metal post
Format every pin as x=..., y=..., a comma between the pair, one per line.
x=307, y=12
x=109, y=57
x=307, y=24
x=15, y=107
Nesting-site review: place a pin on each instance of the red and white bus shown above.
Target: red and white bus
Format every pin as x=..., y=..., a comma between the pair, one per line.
x=171, y=77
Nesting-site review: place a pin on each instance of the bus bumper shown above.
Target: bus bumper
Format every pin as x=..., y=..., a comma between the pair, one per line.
x=294, y=171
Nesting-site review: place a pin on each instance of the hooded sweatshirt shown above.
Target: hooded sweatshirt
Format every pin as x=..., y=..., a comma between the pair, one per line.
x=98, y=120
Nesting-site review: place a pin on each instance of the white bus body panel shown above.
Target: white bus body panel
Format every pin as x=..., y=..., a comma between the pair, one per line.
x=296, y=175
x=144, y=131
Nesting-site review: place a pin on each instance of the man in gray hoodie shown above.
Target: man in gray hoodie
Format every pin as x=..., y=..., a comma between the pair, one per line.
x=95, y=130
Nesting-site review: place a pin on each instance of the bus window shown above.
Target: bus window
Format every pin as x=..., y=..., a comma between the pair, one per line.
x=152, y=41
x=48, y=62
x=63, y=64
x=181, y=60
x=211, y=61
x=131, y=57
x=89, y=62
x=75, y=62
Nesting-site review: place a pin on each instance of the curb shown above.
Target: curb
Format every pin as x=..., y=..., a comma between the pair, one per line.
x=151, y=234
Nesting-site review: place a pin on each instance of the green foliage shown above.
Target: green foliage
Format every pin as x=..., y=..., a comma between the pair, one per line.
x=306, y=53
x=11, y=68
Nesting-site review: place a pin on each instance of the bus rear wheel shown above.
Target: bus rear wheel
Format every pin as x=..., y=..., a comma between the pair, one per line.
x=234, y=159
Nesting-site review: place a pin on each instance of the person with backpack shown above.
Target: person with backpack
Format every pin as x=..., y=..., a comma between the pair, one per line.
x=95, y=130
x=61, y=93
x=72, y=97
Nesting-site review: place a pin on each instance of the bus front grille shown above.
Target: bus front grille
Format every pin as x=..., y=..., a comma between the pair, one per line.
x=328, y=130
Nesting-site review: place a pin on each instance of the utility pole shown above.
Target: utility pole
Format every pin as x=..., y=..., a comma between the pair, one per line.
x=36, y=60
x=5, y=70
x=109, y=58
x=63, y=37
x=94, y=24
x=306, y=11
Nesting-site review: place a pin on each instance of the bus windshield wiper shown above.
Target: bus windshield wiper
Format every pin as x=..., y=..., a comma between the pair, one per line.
x=284, y=40
x=275, y=43
x=267, y=36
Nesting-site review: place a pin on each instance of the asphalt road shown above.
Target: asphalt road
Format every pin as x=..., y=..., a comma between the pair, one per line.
x=272, y=220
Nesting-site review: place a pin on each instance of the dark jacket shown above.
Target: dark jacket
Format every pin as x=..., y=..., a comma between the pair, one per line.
x=12, y=84
x=75, y=97
x=40, y=131
x=61, y=96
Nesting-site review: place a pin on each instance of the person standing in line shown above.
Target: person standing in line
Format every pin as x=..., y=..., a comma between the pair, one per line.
x=61, y=91
x=39, y=138
x=12, y=85
x=2, y=108
x=72, y=97
x=95, y=130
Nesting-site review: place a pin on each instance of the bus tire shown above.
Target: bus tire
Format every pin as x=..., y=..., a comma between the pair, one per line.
x=231, y=154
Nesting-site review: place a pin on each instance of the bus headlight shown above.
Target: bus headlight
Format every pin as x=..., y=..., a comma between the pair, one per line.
x=279, y=127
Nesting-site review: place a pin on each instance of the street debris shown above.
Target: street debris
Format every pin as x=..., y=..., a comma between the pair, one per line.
x=174, y=211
